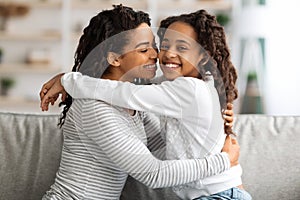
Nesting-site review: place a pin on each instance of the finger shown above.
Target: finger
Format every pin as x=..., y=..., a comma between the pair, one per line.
x=234, y=141
x=229, y=124
x=229, y=106
x=45, y=102
x=43, y=92
x=228, y=139
x=53, y=100
x=228, y=118
x=228, y=112
x=45, y=106
x=63, y=96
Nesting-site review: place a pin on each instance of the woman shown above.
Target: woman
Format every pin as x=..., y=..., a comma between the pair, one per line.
x=179, y=54
x=104, y=143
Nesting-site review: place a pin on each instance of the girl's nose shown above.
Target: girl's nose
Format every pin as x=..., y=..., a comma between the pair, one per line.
x=170, y=54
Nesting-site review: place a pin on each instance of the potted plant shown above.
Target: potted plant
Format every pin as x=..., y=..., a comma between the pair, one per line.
x=223, y=19
x=6, y=84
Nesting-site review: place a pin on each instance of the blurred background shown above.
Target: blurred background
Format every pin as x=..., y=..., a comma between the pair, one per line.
x=38, y=39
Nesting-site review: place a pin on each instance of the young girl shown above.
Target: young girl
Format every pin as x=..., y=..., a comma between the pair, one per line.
x=103, y=143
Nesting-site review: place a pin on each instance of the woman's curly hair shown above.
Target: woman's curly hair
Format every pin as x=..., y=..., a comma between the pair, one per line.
x=211, y=36
x=105, y=25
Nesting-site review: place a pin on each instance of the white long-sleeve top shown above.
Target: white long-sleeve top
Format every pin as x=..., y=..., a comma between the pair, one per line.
x=103, y=144
x=192, y=121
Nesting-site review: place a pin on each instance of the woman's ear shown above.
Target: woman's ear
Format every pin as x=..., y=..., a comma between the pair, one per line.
x=113, y=59
x=204, y=60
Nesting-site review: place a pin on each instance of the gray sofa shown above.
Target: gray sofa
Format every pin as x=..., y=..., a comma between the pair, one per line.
x=31, y=144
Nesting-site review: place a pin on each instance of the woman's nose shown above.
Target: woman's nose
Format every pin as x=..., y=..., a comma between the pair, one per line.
x=153, y=53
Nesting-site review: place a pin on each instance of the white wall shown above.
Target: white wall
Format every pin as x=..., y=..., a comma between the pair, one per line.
x=278, y=23
x=283, y=67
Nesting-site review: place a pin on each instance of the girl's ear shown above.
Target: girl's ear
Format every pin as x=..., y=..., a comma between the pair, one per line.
x=113, y=59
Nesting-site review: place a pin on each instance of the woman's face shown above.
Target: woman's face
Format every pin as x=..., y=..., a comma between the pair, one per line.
x=139, y=56
x=179, y=52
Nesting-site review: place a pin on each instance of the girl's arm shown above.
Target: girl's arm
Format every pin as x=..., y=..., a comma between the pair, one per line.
x=125, y=149
x=155, y=137
x=171, y=98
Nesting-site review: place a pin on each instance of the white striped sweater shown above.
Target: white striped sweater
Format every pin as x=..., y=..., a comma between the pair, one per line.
x=103, y=144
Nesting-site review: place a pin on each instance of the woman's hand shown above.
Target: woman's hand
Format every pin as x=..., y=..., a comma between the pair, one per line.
x=50, y=92
x=228, y=115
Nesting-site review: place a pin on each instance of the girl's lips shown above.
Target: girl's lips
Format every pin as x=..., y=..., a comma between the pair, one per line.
x=171, y=65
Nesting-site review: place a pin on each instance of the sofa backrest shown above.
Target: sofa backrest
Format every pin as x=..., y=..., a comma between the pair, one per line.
x=30, y=146
x=270, y=155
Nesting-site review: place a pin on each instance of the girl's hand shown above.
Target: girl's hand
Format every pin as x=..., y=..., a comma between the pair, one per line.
x=50, y=92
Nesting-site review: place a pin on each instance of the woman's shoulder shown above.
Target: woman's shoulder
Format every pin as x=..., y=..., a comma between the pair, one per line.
x=91, y=106
x=94, y=105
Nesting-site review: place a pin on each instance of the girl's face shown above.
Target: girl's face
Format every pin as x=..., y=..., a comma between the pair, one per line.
x=140, y=55
x=179, y=52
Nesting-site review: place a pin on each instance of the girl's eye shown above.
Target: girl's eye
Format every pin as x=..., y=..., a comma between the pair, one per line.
x=164, y=47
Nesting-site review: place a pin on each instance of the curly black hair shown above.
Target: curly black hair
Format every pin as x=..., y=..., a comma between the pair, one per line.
x=211, y=36
x=103, y=26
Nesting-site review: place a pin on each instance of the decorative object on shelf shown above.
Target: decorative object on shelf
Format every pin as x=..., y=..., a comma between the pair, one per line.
x=252, y=101
x=11, y=9
x=6, y=84
x=39, y=56
x=253, y=2
x=252, y=75
x=223, y=18
x=78, y=28
x=1, y=55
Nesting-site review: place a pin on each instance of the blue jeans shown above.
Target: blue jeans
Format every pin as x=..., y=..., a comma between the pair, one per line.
x=233, y=193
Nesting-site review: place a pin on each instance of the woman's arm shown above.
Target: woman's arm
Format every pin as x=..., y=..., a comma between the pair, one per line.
x=127, y=151
x=171, y=98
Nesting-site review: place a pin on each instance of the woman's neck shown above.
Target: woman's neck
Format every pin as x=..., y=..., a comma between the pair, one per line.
x=114, y=73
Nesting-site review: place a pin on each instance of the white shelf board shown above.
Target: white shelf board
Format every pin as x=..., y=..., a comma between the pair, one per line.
x=52, y=36
x=98, y=5
x=46, y=4
x=14, y=68
x=36, y=3
x=221, y=5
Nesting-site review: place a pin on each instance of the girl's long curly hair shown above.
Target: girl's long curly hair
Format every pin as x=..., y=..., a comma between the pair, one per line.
x=211, y=36
x=105, y=25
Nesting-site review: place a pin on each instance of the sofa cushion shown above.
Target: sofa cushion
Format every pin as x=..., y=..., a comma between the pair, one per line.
x=29, y=154
x=30, y=146
x=270, y=155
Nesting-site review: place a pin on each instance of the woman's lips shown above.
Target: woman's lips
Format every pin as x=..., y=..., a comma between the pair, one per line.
x=150, y=67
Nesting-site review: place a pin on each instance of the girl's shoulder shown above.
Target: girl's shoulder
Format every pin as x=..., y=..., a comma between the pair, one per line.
x=194, y=82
